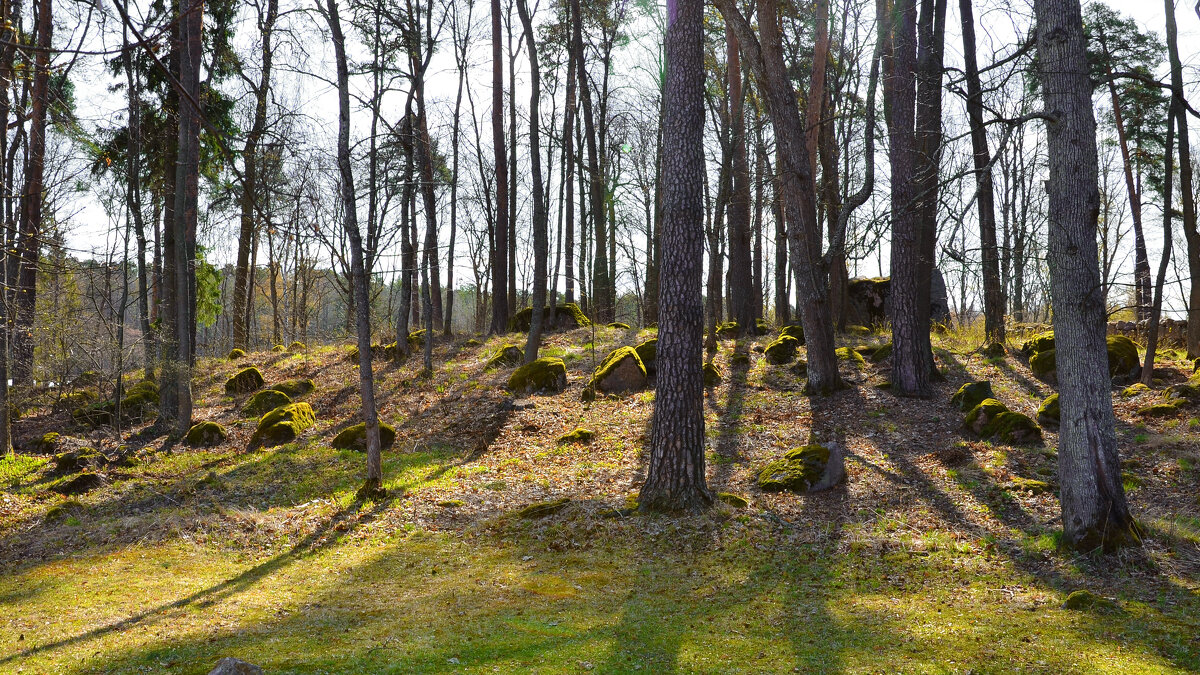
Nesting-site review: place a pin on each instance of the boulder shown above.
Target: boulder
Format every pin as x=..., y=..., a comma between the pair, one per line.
x=794, y=330
x=782, y=350
x=244, y=381
x=1181, y=394
x=417, y=338
x=355, y=437
x=762, y=327
x=566, y=315
x=880, y=353
x=1038, y=343
x=297, y=346
x=74, y=461
x=1159, y=410
x=279, y=349
x=808, y=468
x=648, y=352
x=295, y=388
x=140, y=402
x=982, y=415
x=739, y=360
x=1044, y=365
x=619, y=325
x=579, y=435
x=545, y=375
x=542, y=509
x=283, y=425
x=235, y=354
x=1048, y=413
x=971, y=394
x=232, y=666
x=728, y=330
x=205, y=435
x=47, y=444
x=1013, y=428
x=505, y=357
x=850, y=356
x=993, y=350
x=1085, y=600
x=870, y=302
x=265, y=401
x=1135, y=389
x=712, y=376
x=84, y=482
x=621, y=372
x=1123, y=362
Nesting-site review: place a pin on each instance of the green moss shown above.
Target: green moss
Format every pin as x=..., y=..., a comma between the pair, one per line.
x=1084, y=600
x=1123, y=362
x=648, y=352
x=739, y=360
x=621, y=371
x=295, y=388
x=712, y=376
x=505, y=357
x=451, y=503
x=297, y=346
x=64, y=509
x=728, y=330
x=279, y=349
x=205, y=435
x=781, y=350
x=235, y=354
x=283, y=425
x=542, y=509
x=567, y=315
x=1159, y=410
x=1044, y=364
x=762, y=327
x=850, y=356
x=472, y=342
x=355, y=437
x=1038, y=343
x=982, y=415
x=579, y=435
x=798, y=470
x=1048, y=412
x=993, y=350
x=857, y=330
x=880, y=353
x=97, y=414
x=618, y=325
x=1030, y=485
x=794, y=330
x=1013, y=428
x=244, y=381
x=265, y=401
x=76, y=399
x=736, y=501
x=547, y=374
x=417, y=338
x=47, y=444
x=1134, y=390
x=1182, y=393
x=971, y=394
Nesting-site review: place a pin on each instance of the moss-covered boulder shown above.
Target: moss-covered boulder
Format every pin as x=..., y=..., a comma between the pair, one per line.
x=1013, y=428
x=279, y=349
x=545, y=375
x=794, y=330
x=805, y=469
x=507, y=356
x=712, y=375
x=75, y=399
x=781, y=350
x=850, y=356
x=101, y=413
x=971, y=394
x=763, y=327
x=1038, y=343
x=417, y=338
x=1123, y=362
x=472, y=342
x=295, y=388
x=736, y=501
x=739, y=360
x=619, y=325
x=1181, y=394
x=244, y=381
x=283, y=425
x=84, y=482
x=74, y=461
x=993, y=350
x=648, y=353
x=297, y=346
x=1134, y=390
x=566, y=315
x=235, y=354
x=579, y=435
x=47, y=444
x=621, y=372
x=1159, y=410
x=205, y=435
x=140, y=402
x=542, y=509
x=1086, y=601
x=880, y=353
x=1044, y=365
x=1031, y=485
x=728, y=330
x=265, y=401
x=982, y=415
x=1048, y=414
x=355, y=437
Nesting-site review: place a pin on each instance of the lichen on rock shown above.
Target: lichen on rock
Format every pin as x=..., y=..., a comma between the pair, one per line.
x=354, y=437
x=805, y=469
x=972, y=394
x=781, y=350
x=205, y=435
x=545, y=375
x=244, y=381
x=283, y=425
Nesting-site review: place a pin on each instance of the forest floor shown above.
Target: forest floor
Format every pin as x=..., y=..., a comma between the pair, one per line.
x=931, y=557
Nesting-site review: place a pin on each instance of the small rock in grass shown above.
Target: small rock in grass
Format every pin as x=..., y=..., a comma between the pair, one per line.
x=542, y=509
x=736, y=501
x=205, y=435
x=972, y=394
x=1085, y=600
x=355, y=437
x=231, y=666
x=579, y=435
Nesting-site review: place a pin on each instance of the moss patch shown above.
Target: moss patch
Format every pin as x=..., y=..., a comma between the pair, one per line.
x=507, y=356
x=547, y=374
x=579, y=435
x=850, y=356
x=283, y=425
x=1133, y=390
x=244, y=381
x=355, y=437
x=971, y=394
x=1159, y=410
x=736, y=501
x=295, y=388
x=542, y=509
x=781, y=350
x=1085, y=600
x=205, y=435
x=235, y=354
x=265, y=401
x=618, y=325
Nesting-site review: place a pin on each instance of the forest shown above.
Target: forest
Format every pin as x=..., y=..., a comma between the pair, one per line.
x=517, y=336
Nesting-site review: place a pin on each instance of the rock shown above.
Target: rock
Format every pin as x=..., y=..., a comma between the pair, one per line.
x=939, y=303
x=1123, y=362
x=547, y=374
x=283, y=425
x=417, y=338
x=618, y=325
x=648, y=352
x=279, y=349
x=1181, y=394
x=621, y=372
x=739, y=360
x=1136, y=389
x=141, y=401
x=84, y=482
x=868, y=300
x=728, y=330
x=795, y=330
x=712, y=376
x=993, y=350
x=47, y=444
x=971, y=394
x=579, y=435
x=297, y=346
x=781, y=350
x=566, y=315
x=244, y=381
x=1030, y=485
x=75, y=399
x=982, y=415
x=850, y=356
x=355, y=437
x=761, y=327
x=1048, y=413
x=1038, y=343
x=74, y=461
x=232, y=666
x=205, y=435
x=265, y=401
x=542, y=509
x=1159, y=410
x=295, y=388
x=235, y=354
x=95, y=415
x=880, y=353
x=472, y=342
x=736, y=501
x=1013, y=428
x=1044, y=365
x=809, y=468
x=1084, y=600
x=506, y=356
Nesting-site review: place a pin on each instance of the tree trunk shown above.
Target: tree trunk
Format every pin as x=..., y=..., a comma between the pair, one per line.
x=741, y=268
x=602, y=290
x=133, y=202
x=1185, y=184
x=1094, y=511
x=373, y=487
x=540, y=244
x=1168, y=241
x=675, y=477
x=500, y=271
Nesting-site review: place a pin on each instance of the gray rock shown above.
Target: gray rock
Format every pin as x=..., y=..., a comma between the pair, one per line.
x=232, y=666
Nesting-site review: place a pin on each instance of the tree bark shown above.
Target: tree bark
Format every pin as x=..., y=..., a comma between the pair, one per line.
x=1186, y=189
x=741, y=268
x=602, y=290
x=1094, y=511
x=675, y=477
x=540, y=244
x=500, y=271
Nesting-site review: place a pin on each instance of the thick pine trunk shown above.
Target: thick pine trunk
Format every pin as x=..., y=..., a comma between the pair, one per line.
x=1094, y=511
x=675, y=477
x=741, y=267
x=500, y=271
